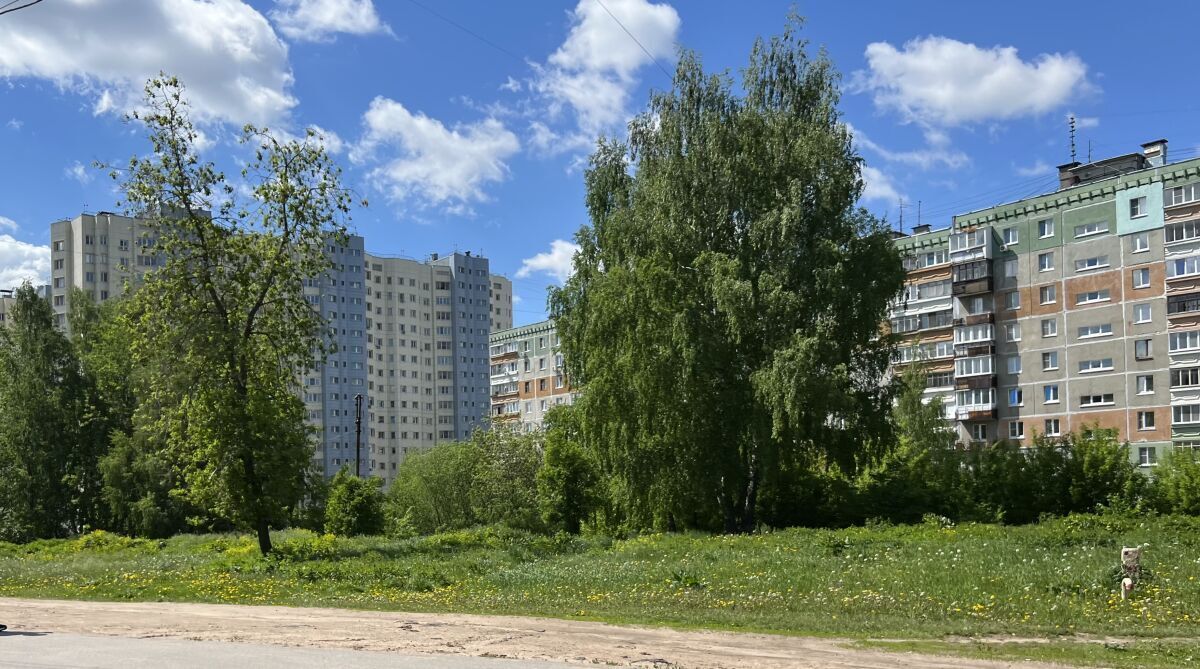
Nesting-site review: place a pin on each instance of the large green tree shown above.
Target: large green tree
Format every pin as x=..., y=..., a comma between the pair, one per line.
x=725, y=307
x=227, y=308
x=43, y=412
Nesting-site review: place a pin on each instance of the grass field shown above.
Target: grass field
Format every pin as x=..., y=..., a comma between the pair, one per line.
x=918, y=582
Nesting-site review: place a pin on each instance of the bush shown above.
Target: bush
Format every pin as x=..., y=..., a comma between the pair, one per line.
x=1177, y=483
x=568, y=481
x=355, y=505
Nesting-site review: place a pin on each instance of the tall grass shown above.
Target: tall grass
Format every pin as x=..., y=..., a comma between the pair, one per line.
x=926, y=580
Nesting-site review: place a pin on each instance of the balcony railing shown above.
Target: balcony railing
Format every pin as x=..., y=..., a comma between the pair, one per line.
x=975, y=319
x=975, y=413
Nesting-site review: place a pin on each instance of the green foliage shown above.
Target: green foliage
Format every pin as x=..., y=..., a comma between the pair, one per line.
x=48, y=483
x=227, y=311
x=568, y=484
x=490, y=479
x=355, y=505
x=727, y=293
x=1177, y=482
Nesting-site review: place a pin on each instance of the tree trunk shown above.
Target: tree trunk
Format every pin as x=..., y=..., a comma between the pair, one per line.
x=264, y=535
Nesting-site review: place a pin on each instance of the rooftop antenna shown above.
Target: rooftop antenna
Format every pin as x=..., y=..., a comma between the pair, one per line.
x=901, y=206
x=918, y=212
x=1089, y=150
x=1071, y=125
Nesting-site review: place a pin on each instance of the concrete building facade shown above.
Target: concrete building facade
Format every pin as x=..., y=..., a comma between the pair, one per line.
x=409, y=337
x=1066, y=311
x=527, y=376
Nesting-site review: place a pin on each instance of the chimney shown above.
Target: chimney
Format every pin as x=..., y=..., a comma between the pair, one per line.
x=1066, y=178
x=920, y=229
x=1155, y=152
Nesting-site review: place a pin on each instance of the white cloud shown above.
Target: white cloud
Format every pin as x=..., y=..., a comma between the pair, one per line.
x=1085, y=122
x=558, y=262
x=78, y=172
x=21, y=261
x=942, y=81
x=939, y=153
x=436, y=165
x=511, y=85
x=877, y=186
x=319, y=20
x=8, y=223
x=14, y=124
x=1039, y=168
x=234, y=65
x=592, y=73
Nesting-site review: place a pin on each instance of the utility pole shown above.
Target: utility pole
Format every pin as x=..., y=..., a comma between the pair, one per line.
x=358, y=434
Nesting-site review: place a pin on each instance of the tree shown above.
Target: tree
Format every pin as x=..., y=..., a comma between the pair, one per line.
x=433, y=488
x=568, y=483
x=725, y=308
x=227, y=305
x=1177, y=482
x=355, y=505
x=42, y=405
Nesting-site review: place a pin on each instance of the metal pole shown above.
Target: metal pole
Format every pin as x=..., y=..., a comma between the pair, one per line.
x=358, y=434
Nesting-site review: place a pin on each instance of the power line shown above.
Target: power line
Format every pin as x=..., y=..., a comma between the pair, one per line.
x=466, y=30
x=635, y=39
x=5, y=10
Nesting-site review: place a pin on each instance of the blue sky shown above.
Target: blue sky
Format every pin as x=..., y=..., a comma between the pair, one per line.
x=466, y=123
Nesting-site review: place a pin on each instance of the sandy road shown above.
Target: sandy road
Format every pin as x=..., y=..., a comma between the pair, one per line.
x=455, y=634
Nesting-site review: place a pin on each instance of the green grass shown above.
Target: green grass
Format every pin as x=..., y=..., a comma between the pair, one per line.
x=911, y=582
x=1150, y=654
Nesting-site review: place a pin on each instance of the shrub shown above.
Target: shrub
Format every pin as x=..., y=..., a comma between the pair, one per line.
x=1177, y=483
x=355, y=505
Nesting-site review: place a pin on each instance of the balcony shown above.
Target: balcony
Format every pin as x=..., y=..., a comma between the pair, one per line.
x=974, y=349
x=973, y=287
x=975, y=319
x=975, y=382
x=975, y=413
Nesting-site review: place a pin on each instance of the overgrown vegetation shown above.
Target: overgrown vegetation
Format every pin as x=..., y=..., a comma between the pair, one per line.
x=919, y=581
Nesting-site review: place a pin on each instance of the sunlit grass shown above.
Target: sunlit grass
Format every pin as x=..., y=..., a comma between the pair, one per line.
x=923, y=581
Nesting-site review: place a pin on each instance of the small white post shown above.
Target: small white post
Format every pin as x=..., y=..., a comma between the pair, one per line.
x=1131, y=568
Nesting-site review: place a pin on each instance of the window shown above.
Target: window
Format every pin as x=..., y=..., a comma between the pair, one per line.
x=1016, y=430
x=939, y=380
x=58, y=246
x=1181, y=304
x=979, y=432
x=1089, y=229
x=1014, y=364
x=1099, y=330
x=1098, y=365
x=1016, y=398
x=1141, y=278
x=1046, y=261
x=1183, y=267
x=1104, y=399
x=977, y=305
x=923, y=260
x=1147, y=456
x=1142, y=350
x=973, y=366
x=1183, y=378
x=1185, y=413
x=979, y=398
x=1050, y=394
x=1048, y=294
x=1012, y=332
x=1052, y=427
x=1137, y=207
x=1049, y=328
x=1049, y=361
x=1182, y=194
x=1085, y=264
x=1012, y=300
x=1046, y=228
x=1183, y=341
x=971, y=239
x=1145, y=384
x=973, y=333
x=1010, y=268
x=1139, y=242
x=1010, y=235
x=1145, y=420
x=1092, y=296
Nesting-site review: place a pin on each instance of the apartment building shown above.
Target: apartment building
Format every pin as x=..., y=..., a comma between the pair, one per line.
x=409, y=337
x=527, y=376
x=7, y=301
x=1066, y=310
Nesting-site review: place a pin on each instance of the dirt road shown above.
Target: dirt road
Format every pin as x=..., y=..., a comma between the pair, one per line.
x=480, y=636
